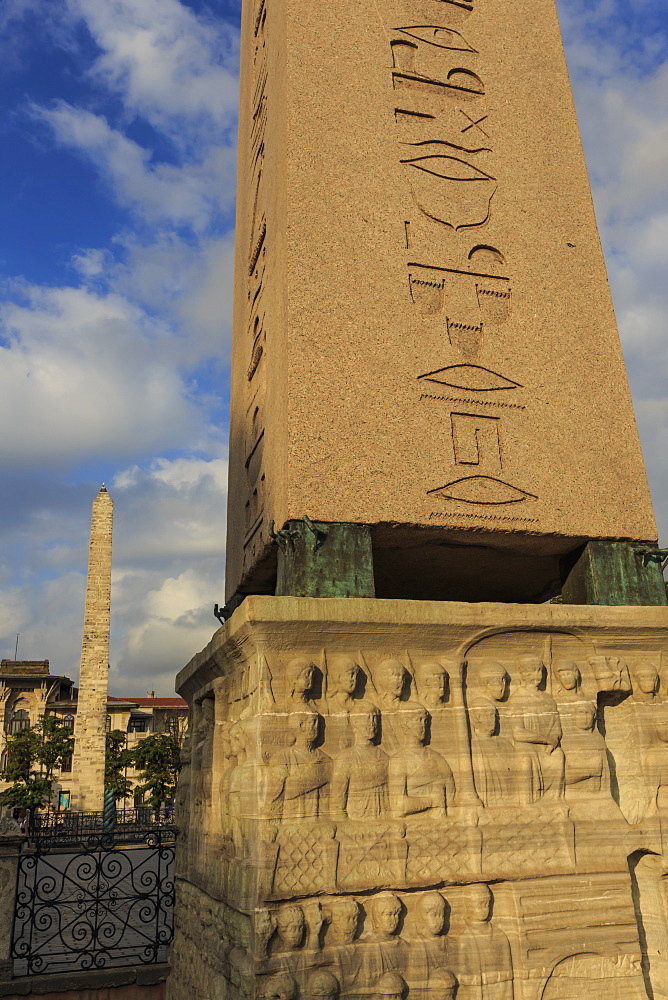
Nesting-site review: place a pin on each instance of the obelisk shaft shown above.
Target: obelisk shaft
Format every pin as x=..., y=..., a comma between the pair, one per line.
x=90, y=728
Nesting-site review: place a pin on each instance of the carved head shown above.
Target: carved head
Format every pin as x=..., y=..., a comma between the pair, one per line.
x=385, y=911
x=661, y=727
x=279, y=987
x=483, y=717
x=344, y=672
x=431, y=911
x=304, y=727
x=265, y=926
x=391, y=677
x=493, y=679
x=477, y=902
x=531, y=671
x=321, y=985
x=431, y=680
x=568, y=674
x=291, y=925
x=584, y=716
x=645, y=678
x=344, y=918
x=365, y=720
x=300, y=674
x=237, y=740
x=390, y=986
x=442, y=985
x=414, y=724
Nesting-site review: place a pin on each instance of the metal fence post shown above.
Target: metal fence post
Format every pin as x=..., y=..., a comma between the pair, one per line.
x=11, y=839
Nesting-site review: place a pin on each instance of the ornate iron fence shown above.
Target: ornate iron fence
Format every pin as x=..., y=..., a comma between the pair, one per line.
x=99, y=906
x=70, y=827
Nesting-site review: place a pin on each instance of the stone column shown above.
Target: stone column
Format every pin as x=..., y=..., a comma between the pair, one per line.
x=11, y=839
x=89, y=731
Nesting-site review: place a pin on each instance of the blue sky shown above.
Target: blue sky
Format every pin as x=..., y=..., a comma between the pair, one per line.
x=117, y=128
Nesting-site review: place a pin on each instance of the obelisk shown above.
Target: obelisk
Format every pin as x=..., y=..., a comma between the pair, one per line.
x=90, y=724
x=424, y=339
x=411, y=777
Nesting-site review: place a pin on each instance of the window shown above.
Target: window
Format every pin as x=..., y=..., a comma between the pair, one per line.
x=138, y=798
x=66, y=766
x=68, y=721
x=138, y=724
x=3, y=760
x=19, y=720
x=107, y=724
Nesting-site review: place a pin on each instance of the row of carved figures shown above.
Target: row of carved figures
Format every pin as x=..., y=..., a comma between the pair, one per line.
x=393, y=756
x=321, y=952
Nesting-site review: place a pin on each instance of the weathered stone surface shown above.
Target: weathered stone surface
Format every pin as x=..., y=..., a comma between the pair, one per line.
x=424, y=339
x=387, y=796
x=87, y=788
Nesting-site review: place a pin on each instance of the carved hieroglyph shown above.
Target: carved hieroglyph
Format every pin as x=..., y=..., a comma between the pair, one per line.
x=418, y=260
x=408, y=799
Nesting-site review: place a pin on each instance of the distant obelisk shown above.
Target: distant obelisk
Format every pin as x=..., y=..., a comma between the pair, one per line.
x=90, y=726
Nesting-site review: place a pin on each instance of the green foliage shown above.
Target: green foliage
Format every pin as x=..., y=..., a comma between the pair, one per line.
x=158, y=760
x=117, y=759
x=32, y=756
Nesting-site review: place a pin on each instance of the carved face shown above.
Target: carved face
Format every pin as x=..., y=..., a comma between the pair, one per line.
x=432, y=682
x=391, y=675
x=345, y=674
x=646, y=678
x=415, y=725
x=568, y=675
x=237, y=743
x=305, y=727
x=291, y=927
x=432, y=912
x=662, y=729
x=584, y=717
x=345, y=918
x=264, y=924
x=483, y=719
x=304, y=679
x=531, y=671
x=385, y=915
x=478, y=902
x=493, y=680
x=364, y=725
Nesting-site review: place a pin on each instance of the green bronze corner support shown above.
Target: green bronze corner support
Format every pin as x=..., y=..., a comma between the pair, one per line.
x=324, y=560
x=614, y=573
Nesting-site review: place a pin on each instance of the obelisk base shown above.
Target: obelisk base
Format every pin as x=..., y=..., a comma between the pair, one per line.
x=404, y=798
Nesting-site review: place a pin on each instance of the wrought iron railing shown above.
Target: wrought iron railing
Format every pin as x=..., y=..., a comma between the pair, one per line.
x=128, y=826
x=94, y=908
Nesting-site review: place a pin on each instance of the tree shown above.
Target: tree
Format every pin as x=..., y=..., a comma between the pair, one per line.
x=117, y=759
x=33, y=754
x=158, y=760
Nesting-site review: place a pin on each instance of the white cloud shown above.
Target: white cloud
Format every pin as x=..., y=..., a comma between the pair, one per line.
x=191, y=193
x=91, y=376
x=172, y=67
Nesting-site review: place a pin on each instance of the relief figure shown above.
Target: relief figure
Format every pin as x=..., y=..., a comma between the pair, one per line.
x=278, y=987
x=420, y=779
x=477, y=952
x=297, y=778
x=391, y=680
x=442, y=985
x=492, y=755
x=587, y=769
x=382, y=949
x=343, y=677
x=300, y=675
x=390, y=986
x=432, y=685
x=320, y=985
x=427, y=947
x=359, y=775
x=536, y=732
x=339, y=954
x=289, y=954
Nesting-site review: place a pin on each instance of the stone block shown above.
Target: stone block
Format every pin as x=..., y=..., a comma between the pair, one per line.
x=387, y=798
